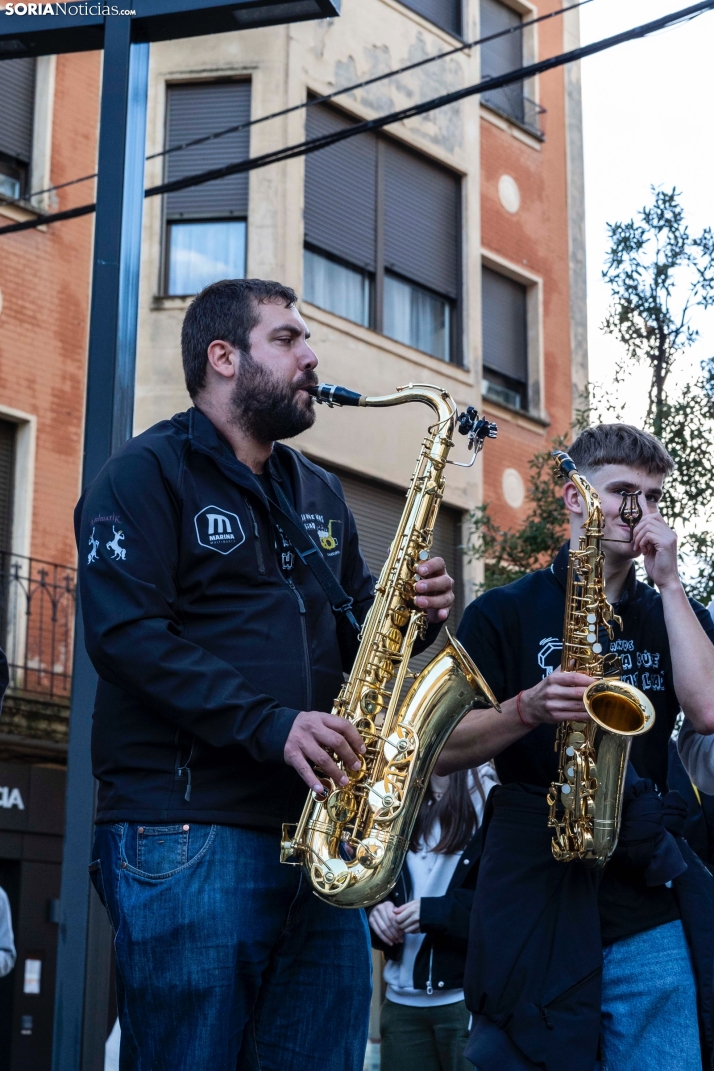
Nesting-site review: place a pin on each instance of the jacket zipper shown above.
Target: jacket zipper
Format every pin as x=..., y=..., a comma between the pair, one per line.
x=258, y=544
x=429, y=986
x=545, y=1008
x=305, y=646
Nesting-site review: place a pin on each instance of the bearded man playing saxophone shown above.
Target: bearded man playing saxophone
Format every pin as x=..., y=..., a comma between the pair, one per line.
x=218, y=652
x=567, y=964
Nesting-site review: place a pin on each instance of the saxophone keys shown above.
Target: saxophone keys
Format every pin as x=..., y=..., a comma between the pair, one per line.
x=384, y=801
x=320, y=797
x=329, y=877
x=342, y=805
x=400, y=615
x=371, y=702
x=370, y=854
x=399, y=745
x=393, y=639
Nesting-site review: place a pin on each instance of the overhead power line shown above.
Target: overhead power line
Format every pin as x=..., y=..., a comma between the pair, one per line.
x=312, y=101
x=315, y=144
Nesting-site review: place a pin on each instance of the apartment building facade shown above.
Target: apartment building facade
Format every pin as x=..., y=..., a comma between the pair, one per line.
x=443, y=246
x=48, y=136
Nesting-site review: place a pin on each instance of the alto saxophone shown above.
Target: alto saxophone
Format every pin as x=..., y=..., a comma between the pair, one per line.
x=586, y=800
x=352, y=841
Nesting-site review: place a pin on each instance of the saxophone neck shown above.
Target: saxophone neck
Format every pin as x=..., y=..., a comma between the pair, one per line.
x=437, y=399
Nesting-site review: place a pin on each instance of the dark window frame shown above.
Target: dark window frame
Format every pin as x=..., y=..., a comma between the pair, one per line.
x=310, y=247
x=167, y=217
x=499, y=376
x=456, y=355
x=526, y=112
x=457, y=32
x=16, y=152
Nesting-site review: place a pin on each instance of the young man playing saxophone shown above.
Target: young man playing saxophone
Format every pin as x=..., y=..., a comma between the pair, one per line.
x=569, y=964
x=218, y=653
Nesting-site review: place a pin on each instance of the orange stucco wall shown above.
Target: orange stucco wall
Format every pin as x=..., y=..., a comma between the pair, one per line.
x=535, y=239
x=45, y=282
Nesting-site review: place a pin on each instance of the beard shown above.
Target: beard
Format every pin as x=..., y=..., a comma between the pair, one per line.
x=267, y=409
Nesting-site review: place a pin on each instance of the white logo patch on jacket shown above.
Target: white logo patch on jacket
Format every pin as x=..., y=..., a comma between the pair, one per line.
x=218, y=529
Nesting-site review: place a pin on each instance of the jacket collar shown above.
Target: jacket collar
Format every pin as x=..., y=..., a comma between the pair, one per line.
x=559, y=569
x=205, y=438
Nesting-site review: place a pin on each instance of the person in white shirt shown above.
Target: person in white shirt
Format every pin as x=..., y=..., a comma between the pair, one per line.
x=7, y=940
x=697, y=751
x=423, y=928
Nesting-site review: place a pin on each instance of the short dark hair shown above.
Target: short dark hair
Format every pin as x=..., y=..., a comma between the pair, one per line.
x=226, y=310
x=620, y=444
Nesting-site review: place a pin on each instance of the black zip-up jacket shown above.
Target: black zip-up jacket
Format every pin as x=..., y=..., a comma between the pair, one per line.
x=444, y=920
x=206, y=649
x=534, y=964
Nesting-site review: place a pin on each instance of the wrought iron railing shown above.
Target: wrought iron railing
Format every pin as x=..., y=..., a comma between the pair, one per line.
x=37, y=604
x=512, y=103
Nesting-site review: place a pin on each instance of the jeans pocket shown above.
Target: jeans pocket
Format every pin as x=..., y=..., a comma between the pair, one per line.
x=161, y=849
x=97, y=879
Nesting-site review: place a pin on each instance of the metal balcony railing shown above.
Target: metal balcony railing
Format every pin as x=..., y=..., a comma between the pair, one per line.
x=512, y=103
x=37, y=604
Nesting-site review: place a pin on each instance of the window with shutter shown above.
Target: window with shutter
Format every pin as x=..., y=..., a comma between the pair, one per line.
x=505, y=339
x=7, y=482
x=17, y=93
x=207, y=224
x=502, y=55
x=444, y=13
x=377, y=510
x=382, y=237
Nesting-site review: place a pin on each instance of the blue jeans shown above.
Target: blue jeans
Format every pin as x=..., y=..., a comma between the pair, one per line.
x=649, y=1003
x=225, y=959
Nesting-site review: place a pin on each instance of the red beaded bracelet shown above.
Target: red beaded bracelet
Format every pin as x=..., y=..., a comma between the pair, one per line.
x=518, y=708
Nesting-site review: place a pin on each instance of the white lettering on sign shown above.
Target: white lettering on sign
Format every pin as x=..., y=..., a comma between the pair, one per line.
x=10, y=797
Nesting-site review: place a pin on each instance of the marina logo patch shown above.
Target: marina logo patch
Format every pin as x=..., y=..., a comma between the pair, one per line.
x=218, y=529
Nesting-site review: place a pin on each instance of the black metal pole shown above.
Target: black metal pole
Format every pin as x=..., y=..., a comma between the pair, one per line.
x=82, y=988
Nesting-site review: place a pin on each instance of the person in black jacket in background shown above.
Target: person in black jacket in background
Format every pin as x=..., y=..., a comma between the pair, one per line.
x=218, y=655
x=423, y=927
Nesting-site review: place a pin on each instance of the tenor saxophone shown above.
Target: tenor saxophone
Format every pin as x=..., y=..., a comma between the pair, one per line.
x=586, y=801
x=352, y=841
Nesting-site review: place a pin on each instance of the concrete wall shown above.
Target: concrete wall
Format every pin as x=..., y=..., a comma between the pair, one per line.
x=533, y=242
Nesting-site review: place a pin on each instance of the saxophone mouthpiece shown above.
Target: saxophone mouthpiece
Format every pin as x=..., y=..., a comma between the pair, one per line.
x=330, y=394
x=565, y=463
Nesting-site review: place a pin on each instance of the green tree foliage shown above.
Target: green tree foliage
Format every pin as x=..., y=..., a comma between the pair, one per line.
x=658, y=274
x=510, y=554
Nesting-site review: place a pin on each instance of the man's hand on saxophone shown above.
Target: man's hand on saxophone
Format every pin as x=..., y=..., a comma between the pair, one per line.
x=559, y=697
x=316, y=736
x=434, y=590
